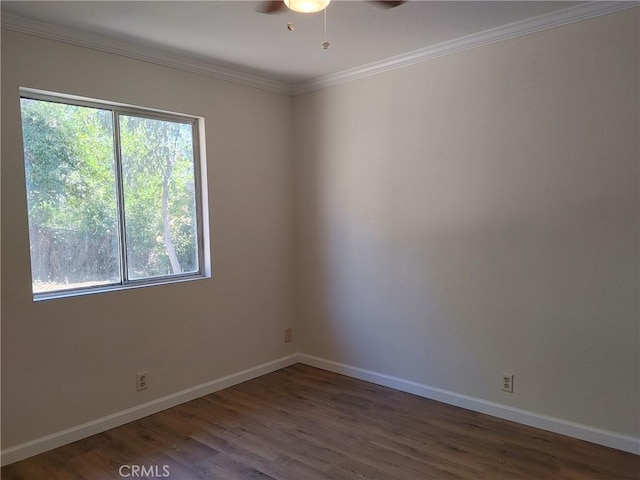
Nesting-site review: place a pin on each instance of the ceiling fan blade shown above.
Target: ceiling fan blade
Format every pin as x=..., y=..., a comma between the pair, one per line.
x=387, y=4
x=272, y=6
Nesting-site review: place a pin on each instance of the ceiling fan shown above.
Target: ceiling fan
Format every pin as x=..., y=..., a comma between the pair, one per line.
x=311, y=6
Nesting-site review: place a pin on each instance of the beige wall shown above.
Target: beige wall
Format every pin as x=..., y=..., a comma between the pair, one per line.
x=459, y=218
x=69, y=361
x=478, y=214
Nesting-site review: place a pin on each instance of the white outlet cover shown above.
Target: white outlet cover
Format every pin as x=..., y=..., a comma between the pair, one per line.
x=141, y=381
x=507, y=382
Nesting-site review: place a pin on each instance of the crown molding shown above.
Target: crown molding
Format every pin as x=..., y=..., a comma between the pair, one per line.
x=159, y=56
x=512, y=30
x=139, y=52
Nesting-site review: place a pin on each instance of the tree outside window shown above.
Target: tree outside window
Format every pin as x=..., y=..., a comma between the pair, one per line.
x=112, y=195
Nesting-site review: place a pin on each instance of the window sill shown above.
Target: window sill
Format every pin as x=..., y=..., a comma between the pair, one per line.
x=80, y=292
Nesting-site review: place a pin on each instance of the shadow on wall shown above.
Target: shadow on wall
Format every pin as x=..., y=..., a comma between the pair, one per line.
x=447, y=268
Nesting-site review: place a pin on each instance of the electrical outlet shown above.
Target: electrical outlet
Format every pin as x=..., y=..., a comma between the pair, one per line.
x=507, y=382
x=141, y=381
x=287, y=335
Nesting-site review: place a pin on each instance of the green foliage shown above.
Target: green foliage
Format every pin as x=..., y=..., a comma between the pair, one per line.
x=70, y=192
x=71, y=189
x=157, y=166
x=69, y=166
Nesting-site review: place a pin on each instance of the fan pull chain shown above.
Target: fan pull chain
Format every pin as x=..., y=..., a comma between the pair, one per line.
x=325, y=44
x=290, y=25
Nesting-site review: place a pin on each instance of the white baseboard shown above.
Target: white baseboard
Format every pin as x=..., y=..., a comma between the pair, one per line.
x=57, y=439
x=556, y=425
x=564, y=427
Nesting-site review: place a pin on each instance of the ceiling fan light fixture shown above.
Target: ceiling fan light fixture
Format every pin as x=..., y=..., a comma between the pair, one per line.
x=307, y=6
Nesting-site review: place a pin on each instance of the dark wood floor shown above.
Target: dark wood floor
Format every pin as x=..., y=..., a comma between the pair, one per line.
x=306, y=423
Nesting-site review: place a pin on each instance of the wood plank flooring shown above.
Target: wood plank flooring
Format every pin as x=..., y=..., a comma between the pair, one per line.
x=304, y=423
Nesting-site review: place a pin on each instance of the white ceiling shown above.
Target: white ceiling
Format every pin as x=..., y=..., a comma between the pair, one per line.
x=234, y=35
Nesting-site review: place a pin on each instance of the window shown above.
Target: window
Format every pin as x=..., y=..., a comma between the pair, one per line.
x=113, y=193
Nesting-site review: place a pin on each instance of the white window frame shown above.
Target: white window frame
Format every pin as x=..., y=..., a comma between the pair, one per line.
x=201, y=193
